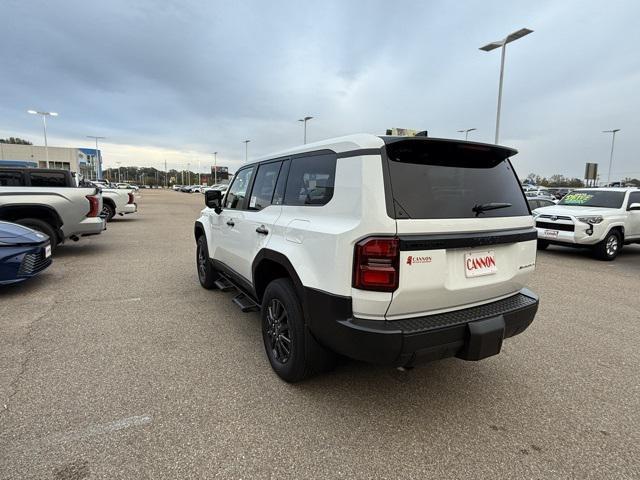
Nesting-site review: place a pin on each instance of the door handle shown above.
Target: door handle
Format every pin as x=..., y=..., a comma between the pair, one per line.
x=262, y=230
x=230, y=223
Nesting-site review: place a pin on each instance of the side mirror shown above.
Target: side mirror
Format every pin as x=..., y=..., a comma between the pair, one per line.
x=634, y=206
x=213, y=199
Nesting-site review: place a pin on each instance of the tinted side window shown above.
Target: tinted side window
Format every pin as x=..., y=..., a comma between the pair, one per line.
x=546, y=203
x=311, y=180
x=634, y=198
x=51, y=179
x=10, y=179
x=278, y=195
x=238, y=190
x=264, y=185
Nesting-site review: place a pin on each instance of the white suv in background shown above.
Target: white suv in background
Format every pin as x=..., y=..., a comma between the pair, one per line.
x=603, y=219
x=386, y=249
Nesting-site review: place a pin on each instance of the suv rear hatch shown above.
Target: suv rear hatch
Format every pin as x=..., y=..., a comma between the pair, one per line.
x=465, y=230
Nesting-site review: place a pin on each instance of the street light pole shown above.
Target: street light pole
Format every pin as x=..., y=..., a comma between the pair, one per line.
x=246, y=150
x=466, y=132
x=304, y=121
x=613, y=141
x=503, y=44
x=96, y=157
x=44, y=124
x=215, y=168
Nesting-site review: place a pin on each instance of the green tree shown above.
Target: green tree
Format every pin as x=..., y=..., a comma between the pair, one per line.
x=15, y=141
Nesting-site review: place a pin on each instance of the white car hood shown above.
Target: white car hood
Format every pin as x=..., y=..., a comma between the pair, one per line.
x=574, y=211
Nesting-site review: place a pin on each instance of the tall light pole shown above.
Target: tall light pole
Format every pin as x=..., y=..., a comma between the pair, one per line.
x=189, y=173
x=304, y=121
x=613, y=141
x=118, y=163
x=44, y=123
x=497, y=44
x=215, y=168
x=96, y=157
x=199, y=173
x=246, y=150
x=466, y=132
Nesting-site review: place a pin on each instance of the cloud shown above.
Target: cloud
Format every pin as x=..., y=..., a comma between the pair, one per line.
x=169, y=79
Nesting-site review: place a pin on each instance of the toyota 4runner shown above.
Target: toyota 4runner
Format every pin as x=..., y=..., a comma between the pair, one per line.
x=385, y=249
x=603, y=219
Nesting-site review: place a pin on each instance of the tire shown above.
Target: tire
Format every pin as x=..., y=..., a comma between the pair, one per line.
x=206, y=274
x=609, y=248
x=41, y=226
x=108, y=211
x=299, y=356
x=542, y=244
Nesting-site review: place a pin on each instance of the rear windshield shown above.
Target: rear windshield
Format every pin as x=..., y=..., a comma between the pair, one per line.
x=593, y=198
x=451, y=180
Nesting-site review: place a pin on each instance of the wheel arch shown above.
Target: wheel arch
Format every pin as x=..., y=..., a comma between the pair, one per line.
x=269, y=265
x=198, y=230
x=619, y=227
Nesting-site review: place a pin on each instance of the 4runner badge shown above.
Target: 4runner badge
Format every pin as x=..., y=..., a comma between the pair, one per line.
x=411, y=260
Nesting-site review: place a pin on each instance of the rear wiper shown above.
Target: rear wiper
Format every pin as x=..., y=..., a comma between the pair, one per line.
x=478, y=209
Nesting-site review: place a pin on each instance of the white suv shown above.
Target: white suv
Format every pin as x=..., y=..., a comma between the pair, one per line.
x=603, y=219
x=383, y=249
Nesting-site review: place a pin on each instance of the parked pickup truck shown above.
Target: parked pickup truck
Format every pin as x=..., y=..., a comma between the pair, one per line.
x=40, y=199
x=116, y=201
x=603, y=219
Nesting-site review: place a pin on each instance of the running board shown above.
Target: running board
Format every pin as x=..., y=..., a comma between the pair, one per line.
x=245, y=303
x=223, y=284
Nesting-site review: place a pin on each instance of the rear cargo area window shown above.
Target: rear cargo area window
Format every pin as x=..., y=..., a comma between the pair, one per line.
x=439, y=179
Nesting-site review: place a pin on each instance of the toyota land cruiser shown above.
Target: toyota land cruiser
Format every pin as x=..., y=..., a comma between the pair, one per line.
x=390, y=250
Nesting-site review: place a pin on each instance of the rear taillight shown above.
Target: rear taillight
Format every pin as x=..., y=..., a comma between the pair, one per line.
x=376, y=264
x=131, y=199
x=94, y=206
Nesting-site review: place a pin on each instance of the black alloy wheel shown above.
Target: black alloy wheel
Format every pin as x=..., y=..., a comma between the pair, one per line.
x=278, y=332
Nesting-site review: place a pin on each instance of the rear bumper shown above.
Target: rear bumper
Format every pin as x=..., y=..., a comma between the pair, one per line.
x=130, y=208
x=472, y=333
x=88, y=226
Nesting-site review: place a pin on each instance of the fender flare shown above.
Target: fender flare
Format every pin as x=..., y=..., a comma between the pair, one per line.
x=282, y=260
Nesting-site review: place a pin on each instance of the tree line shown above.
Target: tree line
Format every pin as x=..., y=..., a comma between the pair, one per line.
x=562, y=181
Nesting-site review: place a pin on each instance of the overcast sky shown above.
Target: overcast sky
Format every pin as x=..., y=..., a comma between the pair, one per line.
x=178, y=80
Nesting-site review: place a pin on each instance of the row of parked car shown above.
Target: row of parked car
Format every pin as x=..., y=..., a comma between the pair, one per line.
x=40, y=209
x=200, y=188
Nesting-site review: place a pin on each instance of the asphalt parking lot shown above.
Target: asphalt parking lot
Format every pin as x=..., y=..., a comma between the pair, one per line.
x=115, y=363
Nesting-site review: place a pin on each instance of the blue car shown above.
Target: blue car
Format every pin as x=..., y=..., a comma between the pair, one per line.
x=23, y=253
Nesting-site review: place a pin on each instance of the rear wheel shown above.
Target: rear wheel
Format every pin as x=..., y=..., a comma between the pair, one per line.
x=41, y=226
x=610, y=247
x=542, y=244
x=108, y=212
x=206, y=274
x=292, y=351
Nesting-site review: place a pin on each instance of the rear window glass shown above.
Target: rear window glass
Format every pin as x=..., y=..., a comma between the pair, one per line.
x=311, y=179
x=50, y=179
x=450, y=180
x=10, y=179
x=593, y=198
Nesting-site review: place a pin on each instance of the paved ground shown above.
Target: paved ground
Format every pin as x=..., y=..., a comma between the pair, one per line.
x=116, y=364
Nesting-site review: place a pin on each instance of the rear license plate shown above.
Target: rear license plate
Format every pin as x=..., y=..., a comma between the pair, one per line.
x=550, y=233
x=47, y=251
x=477, y=264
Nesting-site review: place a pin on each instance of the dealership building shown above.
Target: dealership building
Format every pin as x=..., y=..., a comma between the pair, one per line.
x=84, y=161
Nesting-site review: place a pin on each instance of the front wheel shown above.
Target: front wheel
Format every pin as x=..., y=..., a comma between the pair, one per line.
x=609, y=248
x=206, y=274
x=292, y=351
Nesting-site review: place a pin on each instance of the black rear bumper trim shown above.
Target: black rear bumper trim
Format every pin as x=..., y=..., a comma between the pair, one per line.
x=403, y=342
x=464, y=240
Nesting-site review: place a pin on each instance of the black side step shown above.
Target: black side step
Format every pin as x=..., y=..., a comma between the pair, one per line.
x=223, y=284
x=245, y=303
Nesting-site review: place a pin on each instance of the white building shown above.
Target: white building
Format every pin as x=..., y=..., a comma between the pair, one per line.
x=80, y=160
